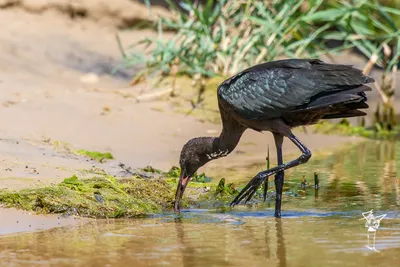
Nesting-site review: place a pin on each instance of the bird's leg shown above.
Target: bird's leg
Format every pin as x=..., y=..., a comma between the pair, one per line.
x=266, y=180
x=249, y=190
x=265, y=189
x=279, y=176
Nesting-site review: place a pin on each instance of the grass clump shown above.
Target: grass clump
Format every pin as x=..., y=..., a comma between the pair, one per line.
x=98, y=156
x=224, y=37
x=224, y=189
x=217, y=195
x=101, y=197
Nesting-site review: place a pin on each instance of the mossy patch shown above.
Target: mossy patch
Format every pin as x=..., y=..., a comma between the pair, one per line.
x=345, y=128
x=99, y=197
x=95, y=155
x=149, y=191
x=173, y=176
x=139, y=195
x=220, y=192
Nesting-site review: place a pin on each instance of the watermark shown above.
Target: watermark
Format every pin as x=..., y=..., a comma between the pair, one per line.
x=372, y=221
x=372, y=224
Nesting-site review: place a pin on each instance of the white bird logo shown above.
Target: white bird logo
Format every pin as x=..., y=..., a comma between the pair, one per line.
x=372, y=224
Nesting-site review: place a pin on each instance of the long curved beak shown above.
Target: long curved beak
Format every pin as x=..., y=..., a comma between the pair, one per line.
x=183, y=181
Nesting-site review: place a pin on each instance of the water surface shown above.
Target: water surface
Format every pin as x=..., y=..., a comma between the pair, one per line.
x=321, y=227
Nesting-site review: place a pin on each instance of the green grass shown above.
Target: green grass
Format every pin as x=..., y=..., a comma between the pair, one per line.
x=326, y=127
x=223, y=37
x=98, y=156
x=220, y=38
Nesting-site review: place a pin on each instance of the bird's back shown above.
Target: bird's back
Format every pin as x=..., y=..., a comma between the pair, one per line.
x=295, y=88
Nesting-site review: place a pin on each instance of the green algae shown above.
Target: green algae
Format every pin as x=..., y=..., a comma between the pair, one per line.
x=100, y=197
x=104, y=196
x=221, y=192
x=174, y=173
x=95, y=155
x=345, y=128
x=147, y=192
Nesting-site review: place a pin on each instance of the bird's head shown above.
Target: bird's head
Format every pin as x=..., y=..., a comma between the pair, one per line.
x=195, y=153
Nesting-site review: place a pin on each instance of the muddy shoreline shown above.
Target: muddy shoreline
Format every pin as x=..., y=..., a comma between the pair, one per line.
x=17, y=221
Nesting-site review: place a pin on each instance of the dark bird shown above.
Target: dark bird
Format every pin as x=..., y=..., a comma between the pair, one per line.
x=276, y=96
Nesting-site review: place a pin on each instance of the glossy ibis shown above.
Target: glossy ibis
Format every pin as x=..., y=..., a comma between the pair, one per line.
x=276, y=96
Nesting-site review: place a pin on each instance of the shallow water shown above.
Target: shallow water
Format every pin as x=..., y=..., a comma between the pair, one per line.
x=321, y=227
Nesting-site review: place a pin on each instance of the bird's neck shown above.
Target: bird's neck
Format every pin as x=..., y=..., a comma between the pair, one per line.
x=224, y=144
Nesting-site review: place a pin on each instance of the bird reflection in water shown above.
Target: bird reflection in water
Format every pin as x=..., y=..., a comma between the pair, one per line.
x=280, y=248
x=190, y=255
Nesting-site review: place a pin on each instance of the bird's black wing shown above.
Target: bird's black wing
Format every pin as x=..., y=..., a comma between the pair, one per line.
x=271, y=89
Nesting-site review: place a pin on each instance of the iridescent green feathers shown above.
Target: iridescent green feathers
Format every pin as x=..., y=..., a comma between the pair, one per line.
x=269, y=90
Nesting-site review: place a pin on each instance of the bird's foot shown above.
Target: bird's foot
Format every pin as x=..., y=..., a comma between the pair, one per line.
x=250, y=189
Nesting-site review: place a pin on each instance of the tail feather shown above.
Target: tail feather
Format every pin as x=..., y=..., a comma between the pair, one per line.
x=343, y=94
x=346, y=114
x=334, y=99
x=351, y=77
x=357, y=105
x=353, y=95
x=337, y=74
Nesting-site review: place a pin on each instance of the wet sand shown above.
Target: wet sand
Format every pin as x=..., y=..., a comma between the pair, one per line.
x=16, y=221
